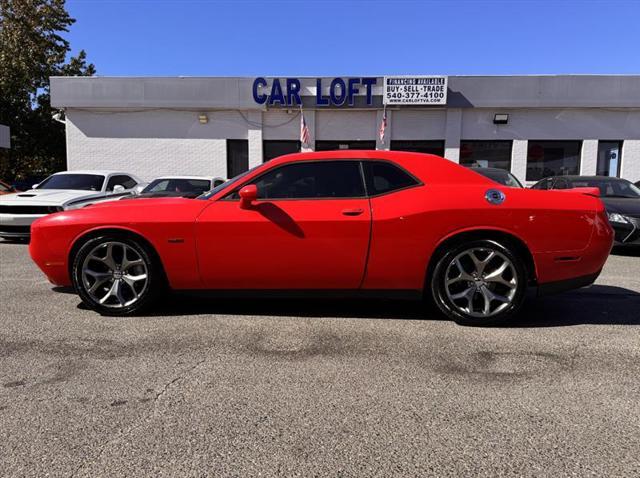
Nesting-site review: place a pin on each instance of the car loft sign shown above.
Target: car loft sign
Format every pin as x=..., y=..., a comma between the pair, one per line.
x=415, y=90
x=398, y=90
x=286, y=91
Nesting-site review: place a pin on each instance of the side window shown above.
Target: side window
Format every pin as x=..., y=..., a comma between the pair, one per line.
x=544, y=184
x=122, y=180
x=383, y=177
x=312, y=180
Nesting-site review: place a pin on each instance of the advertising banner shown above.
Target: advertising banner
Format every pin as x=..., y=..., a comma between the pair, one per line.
x=415, y=90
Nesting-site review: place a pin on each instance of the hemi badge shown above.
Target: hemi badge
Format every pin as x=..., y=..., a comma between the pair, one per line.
x=176, y=240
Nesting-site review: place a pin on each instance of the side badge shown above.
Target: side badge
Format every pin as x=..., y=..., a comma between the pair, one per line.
x=494, y=196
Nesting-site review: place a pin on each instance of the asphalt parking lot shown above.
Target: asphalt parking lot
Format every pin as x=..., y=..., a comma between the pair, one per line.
x=317, y=388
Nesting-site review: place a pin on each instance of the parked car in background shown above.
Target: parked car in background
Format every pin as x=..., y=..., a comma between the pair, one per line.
x=621, y=198
x=501, y=176
x=58, y=192
x=352, y=222
x=178, y=186
x=6, y=188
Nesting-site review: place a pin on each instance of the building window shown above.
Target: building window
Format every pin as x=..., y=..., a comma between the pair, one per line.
x=337, y=145
x=552, y=158
x=486, y=154
x=237, y=157
x=429, y=147
x=609, y=158
x=273, y=148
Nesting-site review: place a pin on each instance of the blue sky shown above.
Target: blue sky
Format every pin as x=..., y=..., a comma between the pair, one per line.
x=341, y=38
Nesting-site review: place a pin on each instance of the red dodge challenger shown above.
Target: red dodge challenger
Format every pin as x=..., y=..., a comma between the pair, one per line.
x=363, y=222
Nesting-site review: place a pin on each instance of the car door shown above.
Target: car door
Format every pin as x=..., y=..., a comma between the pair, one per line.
x=308, y=229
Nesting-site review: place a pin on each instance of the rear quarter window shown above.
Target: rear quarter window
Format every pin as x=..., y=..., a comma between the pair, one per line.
x=383, y=177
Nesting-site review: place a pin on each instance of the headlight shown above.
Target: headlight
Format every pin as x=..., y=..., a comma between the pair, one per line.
x=616, y=217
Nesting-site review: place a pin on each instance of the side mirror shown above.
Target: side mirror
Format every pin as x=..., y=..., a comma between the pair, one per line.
x=35, y=186
x=118, y=188
x=248, y=194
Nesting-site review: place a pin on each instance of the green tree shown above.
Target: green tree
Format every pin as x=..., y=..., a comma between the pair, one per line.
x=32, y=50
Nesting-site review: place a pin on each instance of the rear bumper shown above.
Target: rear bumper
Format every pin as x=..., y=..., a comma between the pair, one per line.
x=564, y=270
x=556, y=287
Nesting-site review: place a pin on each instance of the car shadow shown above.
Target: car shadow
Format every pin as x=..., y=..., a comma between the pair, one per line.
x=596, y=305
x=185, y=304
x=627, y=250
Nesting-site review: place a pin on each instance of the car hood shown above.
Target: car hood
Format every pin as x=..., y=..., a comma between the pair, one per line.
x=166, y=194
x=58, y=197
x=148, y=203
x=625, y=206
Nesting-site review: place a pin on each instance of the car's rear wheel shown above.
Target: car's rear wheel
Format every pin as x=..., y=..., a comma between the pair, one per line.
x=116, y=275
x=482, y=282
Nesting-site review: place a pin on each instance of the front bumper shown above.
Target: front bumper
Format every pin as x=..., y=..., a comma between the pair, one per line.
x=627, y=233
x=17, y=225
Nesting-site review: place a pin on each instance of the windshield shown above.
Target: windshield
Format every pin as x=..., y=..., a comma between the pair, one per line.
x=231, y=182
x=502, y=177
x=178, y=185
x=609, y=188
x=81, y=182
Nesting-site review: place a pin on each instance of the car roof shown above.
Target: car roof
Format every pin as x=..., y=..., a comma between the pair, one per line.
x=204, y=178
x=92, y=171
x=578, y=177
x=427, y=167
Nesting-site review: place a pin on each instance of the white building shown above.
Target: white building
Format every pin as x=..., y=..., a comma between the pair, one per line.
x=535, y=126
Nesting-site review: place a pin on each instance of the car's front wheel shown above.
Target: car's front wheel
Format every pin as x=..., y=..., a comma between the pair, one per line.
x=482, y=282
x=116, y=275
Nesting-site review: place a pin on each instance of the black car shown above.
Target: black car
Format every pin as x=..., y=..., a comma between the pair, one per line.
x=621, y=198
x=498, y=175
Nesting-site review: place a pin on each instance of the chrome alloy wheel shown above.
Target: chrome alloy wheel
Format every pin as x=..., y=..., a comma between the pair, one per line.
x=114, y=274
x=481, y=282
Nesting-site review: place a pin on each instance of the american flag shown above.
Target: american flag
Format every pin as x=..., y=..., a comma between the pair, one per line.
x=304, y=130
x=383, y=126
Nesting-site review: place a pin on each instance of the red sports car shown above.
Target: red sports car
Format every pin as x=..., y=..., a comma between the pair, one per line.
x=367, y=222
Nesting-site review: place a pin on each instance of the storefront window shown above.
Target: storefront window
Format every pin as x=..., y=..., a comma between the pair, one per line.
x=429, y=147
x=273, y=148
x=609, y=158
x=552, y=158
x=237, y=157
x=486, y=154
x=337, y=145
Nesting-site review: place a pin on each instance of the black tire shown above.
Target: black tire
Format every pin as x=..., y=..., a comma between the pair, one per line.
x=452, y=308
x=147, y=296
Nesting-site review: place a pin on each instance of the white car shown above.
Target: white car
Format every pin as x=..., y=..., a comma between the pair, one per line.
x=59, y=192
x=178, y=186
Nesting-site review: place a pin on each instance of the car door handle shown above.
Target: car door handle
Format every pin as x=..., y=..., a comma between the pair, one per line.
x=352, y=212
